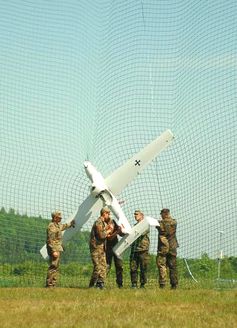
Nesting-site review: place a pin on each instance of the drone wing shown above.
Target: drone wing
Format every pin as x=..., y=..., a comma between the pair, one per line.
x=127, y=240
x=88, y=208
x=91, y=206
x=121, y=177
x=135, y=232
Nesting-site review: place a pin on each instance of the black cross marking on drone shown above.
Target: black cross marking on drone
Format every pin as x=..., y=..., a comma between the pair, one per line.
x=137, y=162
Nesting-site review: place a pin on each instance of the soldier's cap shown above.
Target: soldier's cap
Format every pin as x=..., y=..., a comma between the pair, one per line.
x=56, y=214
x=164, y=210
x=137, y=212
x=104, y=209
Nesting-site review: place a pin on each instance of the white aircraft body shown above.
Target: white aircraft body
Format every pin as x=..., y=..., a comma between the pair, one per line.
x=100, y=190
x=136, y=231
x=104, y=190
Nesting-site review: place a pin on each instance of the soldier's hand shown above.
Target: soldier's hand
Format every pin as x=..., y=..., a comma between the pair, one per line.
x=109, y=227
x=108, y=232
x=110, y=236
x=55, y=254
x=73, y=223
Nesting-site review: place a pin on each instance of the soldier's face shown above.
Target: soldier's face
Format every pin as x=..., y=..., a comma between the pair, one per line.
x=57, y=219
x=138, y=216
x=165, y=215
x=106, y=216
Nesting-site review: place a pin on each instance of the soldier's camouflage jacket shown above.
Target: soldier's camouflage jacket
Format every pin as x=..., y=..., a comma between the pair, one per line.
x=167, y=241
x=54, y=236
x=142, y=243
x=98, y=235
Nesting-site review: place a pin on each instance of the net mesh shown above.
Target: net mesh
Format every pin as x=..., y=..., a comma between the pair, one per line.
x=99, y=80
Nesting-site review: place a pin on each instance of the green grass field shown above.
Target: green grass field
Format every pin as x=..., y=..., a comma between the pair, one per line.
x=75, y=307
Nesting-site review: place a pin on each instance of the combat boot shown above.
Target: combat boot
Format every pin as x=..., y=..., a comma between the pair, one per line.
x=100, y=285
x=92, y=283
x=91, y=286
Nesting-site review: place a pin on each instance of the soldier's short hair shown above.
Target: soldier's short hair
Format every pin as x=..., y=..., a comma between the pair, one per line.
x=138, y=212
x=164, y=210
x=104, y=209
x=56, y=214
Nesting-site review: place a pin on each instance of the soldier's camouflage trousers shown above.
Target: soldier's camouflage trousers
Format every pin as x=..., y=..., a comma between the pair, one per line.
x=167, y=261
x=52, y=271
x=118, y=265
x=99, y=267
x=139, y=259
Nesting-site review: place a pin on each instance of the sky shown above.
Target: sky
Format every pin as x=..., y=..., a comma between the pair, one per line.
x=99, y=80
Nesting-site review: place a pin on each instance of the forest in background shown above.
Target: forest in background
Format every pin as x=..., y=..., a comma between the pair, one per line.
x=21, y=238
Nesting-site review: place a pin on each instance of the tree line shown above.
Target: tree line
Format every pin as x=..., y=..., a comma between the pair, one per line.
x=22, y=236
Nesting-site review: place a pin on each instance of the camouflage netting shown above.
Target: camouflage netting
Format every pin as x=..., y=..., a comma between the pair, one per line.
x=99, y=80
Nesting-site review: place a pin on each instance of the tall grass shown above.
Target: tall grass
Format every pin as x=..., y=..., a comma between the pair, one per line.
x=74, y=307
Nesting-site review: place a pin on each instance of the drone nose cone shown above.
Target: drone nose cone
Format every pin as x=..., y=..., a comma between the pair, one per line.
x=86, y=164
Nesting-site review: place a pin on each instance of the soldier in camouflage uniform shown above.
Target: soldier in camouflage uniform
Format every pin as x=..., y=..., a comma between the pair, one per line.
x=139, y=256
x=54, y=246
x=112, y=240
x=99, y=232
x=167, y=249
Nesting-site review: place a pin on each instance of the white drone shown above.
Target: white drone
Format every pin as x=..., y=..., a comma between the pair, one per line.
x=103, y=191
